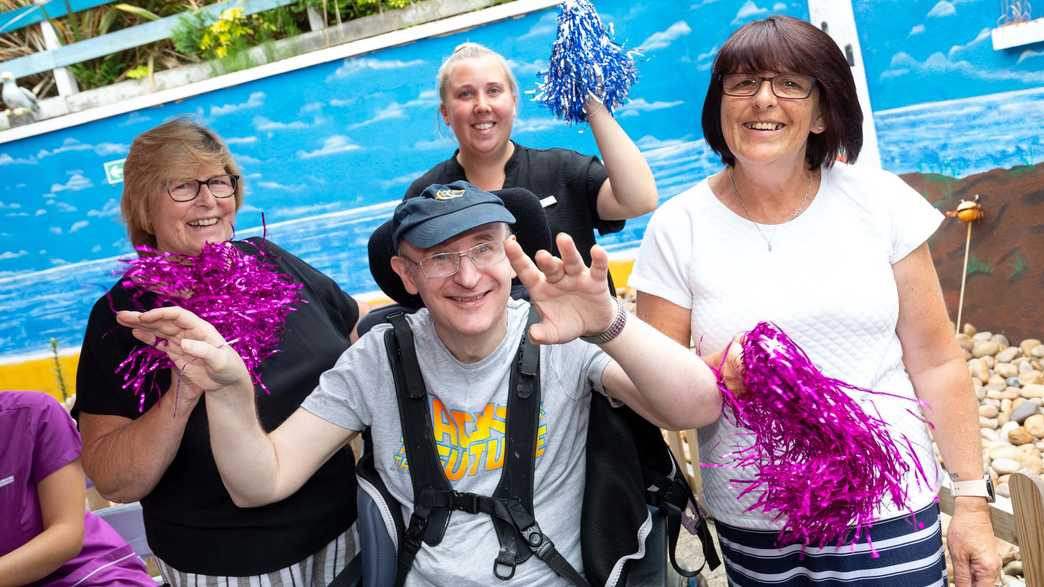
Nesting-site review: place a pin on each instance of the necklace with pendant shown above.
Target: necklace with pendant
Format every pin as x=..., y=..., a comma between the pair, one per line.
x=802, y=206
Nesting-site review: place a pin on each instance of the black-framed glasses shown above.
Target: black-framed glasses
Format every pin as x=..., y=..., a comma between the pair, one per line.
x=789, y=86
x=442, y=265
x=186, y=190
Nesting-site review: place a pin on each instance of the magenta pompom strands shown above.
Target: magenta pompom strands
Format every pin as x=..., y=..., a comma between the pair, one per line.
x=243, y=296
x=585, y=61
x=823, y=463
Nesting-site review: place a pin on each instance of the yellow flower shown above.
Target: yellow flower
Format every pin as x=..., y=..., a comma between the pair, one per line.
x=232, y=13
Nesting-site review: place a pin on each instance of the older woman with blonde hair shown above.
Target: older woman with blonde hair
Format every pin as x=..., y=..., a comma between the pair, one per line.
x=182, y=189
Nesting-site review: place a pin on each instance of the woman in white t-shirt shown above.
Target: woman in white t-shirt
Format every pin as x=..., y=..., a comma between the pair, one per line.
x=836, y=256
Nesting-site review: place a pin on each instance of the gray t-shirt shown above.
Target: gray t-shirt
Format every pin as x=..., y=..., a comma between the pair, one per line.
x=468, y=407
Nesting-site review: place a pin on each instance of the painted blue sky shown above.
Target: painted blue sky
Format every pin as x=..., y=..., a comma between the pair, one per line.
x=929, y=50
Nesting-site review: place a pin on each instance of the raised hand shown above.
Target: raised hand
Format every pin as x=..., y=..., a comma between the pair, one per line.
x=200, y=353
x=573, y=299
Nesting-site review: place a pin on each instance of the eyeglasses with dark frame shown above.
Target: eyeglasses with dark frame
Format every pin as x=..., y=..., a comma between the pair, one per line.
x=789, y=86
x=443, y=265
x=186, y=190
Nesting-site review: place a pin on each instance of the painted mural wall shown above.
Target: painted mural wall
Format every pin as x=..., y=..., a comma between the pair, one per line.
x=327, y=151
x=957, y=118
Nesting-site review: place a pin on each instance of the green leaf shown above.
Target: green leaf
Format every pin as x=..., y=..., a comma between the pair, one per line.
x=136, y=11
x=106, y=21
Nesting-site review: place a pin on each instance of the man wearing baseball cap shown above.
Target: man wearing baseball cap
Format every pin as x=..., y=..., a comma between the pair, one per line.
x=455, y=249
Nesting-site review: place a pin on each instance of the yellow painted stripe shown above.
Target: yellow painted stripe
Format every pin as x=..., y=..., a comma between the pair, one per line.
x=39, y=375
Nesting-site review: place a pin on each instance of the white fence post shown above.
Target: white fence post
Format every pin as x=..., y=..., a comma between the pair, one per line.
x=64, y=78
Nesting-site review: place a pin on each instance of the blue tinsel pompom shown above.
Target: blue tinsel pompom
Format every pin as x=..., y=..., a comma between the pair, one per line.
x=585, y=61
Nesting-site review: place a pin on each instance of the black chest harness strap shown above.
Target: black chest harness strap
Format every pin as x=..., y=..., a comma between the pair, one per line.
x=511, y=505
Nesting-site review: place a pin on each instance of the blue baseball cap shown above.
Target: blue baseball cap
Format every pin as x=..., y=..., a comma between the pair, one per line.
x=443, y=211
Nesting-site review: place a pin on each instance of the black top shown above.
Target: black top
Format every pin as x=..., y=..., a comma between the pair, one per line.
x=573, y=179
x=190, y=520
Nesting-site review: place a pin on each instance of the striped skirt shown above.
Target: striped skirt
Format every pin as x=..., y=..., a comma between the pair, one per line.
x=909, y=549
x=318, y=570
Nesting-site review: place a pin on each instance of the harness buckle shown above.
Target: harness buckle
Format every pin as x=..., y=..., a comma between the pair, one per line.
x=463, y=501
x=414, y=533
x=504, y=562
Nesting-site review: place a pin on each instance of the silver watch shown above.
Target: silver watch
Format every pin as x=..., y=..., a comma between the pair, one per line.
x=974, y=488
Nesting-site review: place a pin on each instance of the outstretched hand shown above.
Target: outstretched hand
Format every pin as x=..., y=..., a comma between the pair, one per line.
x=573, y=299
x=199, y=352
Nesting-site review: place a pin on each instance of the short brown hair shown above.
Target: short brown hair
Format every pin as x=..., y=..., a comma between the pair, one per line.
x=782, y=43
x=155, y=157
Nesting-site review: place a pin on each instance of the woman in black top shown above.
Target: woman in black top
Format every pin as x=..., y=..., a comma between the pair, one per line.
x=478, y=99
x=182, y=189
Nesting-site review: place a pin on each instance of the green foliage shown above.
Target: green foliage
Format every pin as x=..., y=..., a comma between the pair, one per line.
x=100, y=72
x=188, y=34
x=58, y=370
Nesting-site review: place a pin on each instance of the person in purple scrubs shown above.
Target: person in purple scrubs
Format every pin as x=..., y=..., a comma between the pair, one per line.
x=48, y=538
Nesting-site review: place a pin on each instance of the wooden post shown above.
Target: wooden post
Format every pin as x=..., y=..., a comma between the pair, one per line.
x=1027, y=498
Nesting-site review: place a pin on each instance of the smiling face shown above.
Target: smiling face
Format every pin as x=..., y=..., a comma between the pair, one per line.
x=468, y=307
x=183, y=227
x=478, y=105
x=766, y=129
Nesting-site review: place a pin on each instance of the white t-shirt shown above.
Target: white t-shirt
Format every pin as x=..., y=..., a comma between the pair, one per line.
x=828, y=283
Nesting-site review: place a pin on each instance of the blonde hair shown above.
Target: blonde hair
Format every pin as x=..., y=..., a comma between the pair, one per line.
x=471, y=51
x=155, y=157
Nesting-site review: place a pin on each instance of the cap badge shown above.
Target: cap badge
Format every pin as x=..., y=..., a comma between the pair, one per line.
x=448, y=194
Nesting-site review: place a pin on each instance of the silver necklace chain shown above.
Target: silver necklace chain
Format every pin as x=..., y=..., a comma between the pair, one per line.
x=797, y=212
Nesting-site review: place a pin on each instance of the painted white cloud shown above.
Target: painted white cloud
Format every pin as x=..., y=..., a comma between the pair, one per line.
x=6, y=159
x=248, y=160
x=352, y=66
x=527, y=68
x=1029, y=54
x=748, y=10
x=545, y=27
x=71, y=144
x=779, y=6
x=265, y=124
x=11, y=206
x=135, y=118
x=916, y=30
x=649, y=142
x=701, y=4
x=75, y=183
x=311, y=107
x=664, y=38
x=439, y=143
x=256, y=100
x=273, y=185
x=241, y=141
x=401, y=180
x=942, y=8
x=426, y=98
x=331, y=146
x=64, y=206
x=110, y=149
x=341, y=103
x=40, y=212
x=524, y=125
x=390, y=112
x=13, y=254
x=56, y=229
x=902, y=63
x=983, y=35
x=639, y=105
x=110, y=208
x=78, y=226
x=705, y=60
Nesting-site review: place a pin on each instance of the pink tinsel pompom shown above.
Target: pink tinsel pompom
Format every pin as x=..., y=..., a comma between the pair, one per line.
x=243, y=296
x=823, y=463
